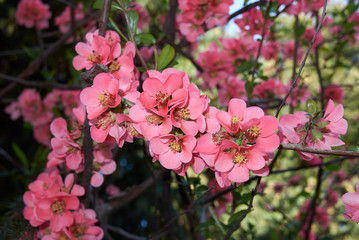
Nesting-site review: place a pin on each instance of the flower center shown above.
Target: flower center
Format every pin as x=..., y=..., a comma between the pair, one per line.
x=106, y=99
x=252, y=133
x=79, y=230
x=58, y=207
x=175, y=146
x=234, y=122
x=114, y=66
x=97, y=165
x=94, y=57
x=154, y=119
x=162, y=99
x=240, y=157
x=107, y=120
x=131, y=129
x=183, y=113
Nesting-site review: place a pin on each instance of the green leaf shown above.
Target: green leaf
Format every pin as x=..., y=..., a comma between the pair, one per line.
x=299, y=31
x=244, y=67
x=332, y=168
x=312, y=106
x=249, y=87
x=167, y=54
x=97, y=4
x=146, y=38
x=133, y=19
x=353, y=148
x=316, y=135
x=349, y=26
x=21, y=155
x=235, y=217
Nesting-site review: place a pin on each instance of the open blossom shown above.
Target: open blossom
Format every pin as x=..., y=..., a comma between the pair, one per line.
x=172, y=151
x=32, y=13
x=103, y=94
x=334, y=92
x=351, y=201
x=50, y=200
x=269, y=89
x=97, y=49
x=324, y=134
x=245, y=145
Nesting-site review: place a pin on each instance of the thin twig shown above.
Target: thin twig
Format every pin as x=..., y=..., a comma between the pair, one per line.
x=294, y=83
x=38, y=84
x=301, y=148
x=246, y=9
x=132, y=36
x=262, y=39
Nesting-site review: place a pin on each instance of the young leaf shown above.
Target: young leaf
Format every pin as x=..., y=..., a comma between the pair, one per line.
x=167, y=54
x=133, y=18
x=146, y=38
x=312, y=107
x=21, y=155
x=235, y=217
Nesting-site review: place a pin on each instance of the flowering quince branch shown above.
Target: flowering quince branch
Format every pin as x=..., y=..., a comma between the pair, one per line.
x=294, y=83
x=182, y=130
x=312, y=205
x=246, y=9
x=301, y=148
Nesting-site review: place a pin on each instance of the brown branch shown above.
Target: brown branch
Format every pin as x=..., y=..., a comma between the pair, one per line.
x=86, y=79
x=250, y=206
x=294, y=83
x=312, y=206
x=102, y=24
x=170, y=22
x=301, y=148
x=124, y=233
x=35, y=65
x=246, y=9
x=38, y=84
x=262, y=39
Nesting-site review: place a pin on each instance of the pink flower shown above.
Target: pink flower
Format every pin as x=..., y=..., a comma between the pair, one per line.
x=324, y=134
x=96, y=50
x=309, y=34
x=289, y=48
x=172, y=151
x=222, y=202
x=64, y=147
x=270, y=50
x=144, y=17
x=161, y=93
x=351, y=201
x=33, y=13
x=112, y=190
x=103, y=94
x=232, y=88
x=64, y=20
x=334, y=92
x=270, y=89
x=13, y=110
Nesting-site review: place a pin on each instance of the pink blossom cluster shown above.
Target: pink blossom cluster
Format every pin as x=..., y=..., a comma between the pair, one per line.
x=351, y=201
x=32, y=13
x=107, y=51
x=252, y=22
x=63, y=21
x=218, y=65
x=195, y=14
x=295, y=7
x=67, y=149
x=40, y=113
x=324, y=133
x=53, y=205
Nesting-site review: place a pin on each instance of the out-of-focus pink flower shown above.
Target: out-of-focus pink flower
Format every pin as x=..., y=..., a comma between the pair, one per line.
x=32, y=13
x=63, y=21
x=309, y=34
x=334, y=92
x=324, y=134
x=112, y=190
x=289, y=48
x=351, y=201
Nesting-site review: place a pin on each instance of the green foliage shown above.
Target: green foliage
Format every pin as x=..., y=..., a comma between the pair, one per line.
x=167, y=54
